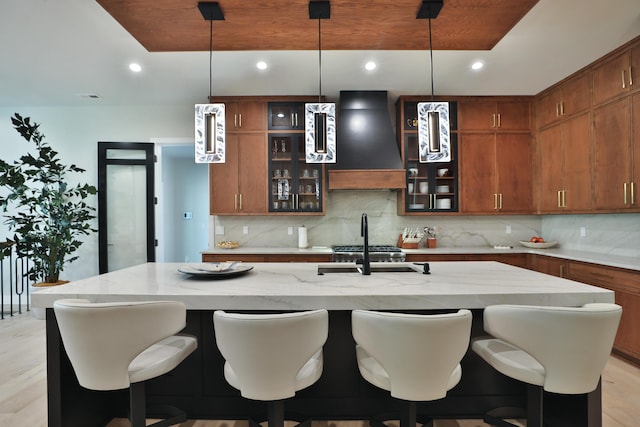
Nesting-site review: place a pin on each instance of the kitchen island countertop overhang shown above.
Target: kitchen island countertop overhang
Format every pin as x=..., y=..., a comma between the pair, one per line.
x=297, y=286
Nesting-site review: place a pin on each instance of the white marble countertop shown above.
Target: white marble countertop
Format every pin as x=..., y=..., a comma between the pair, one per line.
x=297, y=286
x=632, y=263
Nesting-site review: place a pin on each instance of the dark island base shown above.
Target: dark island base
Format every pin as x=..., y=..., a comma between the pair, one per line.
x=198, y=387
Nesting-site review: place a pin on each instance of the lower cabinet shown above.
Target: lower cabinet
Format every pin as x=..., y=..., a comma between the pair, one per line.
x=519, y=260
x=625, y=283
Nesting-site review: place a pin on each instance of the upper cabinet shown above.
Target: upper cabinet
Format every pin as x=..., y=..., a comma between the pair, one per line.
x=296, y=186
x=495, y=116
x=245, y=116
x=617, y=75
x=265, y=171
x=429, y=187
x=571, y=97
x=496, y=153
x=286, y=116
x=616, y=148
x=564, y=165
x=495, y=173
x=239, y=186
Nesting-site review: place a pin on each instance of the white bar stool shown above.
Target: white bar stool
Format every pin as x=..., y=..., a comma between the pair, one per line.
x=269, y=357
x=114, y=346
x=556, y=349
x=415, y=357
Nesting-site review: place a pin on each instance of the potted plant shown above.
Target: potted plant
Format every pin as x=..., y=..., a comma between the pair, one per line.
x=46, y=214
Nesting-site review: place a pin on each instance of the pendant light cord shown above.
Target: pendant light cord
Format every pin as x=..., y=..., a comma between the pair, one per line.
x=319, y=61
x=431, y=60
x=210, y=56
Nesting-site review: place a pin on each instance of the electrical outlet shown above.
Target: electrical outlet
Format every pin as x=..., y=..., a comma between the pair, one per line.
x=583, y=231
x=290, y=231
x=188, y=215
x=245, y=229
x=508, y=231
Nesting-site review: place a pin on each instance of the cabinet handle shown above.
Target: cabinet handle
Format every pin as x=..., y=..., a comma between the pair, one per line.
x=494, y=120
x=630, y=76
x=624, y=193
x=560, y=198
x=240, y=201
x=633, y=201
x=296, y=119
x=297, y=206
x=499, y=120
x=562, y=108
x=235, y=120
x=624, y=81
x=495, y=201
x=240, y=122
x=235, y=202
x=557, y=109
x=564, y=198
x=500, y=199
x=562, y=270
x=293, y=120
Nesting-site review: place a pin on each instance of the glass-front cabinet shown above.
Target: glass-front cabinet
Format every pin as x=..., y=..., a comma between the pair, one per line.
x=295, y=185
x=430, y=187
x=286, y=115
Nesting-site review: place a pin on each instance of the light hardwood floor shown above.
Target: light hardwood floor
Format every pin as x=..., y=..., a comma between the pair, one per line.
x=23, y=396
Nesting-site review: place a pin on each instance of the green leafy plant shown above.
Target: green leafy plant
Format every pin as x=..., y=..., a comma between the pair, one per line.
x=45, y=213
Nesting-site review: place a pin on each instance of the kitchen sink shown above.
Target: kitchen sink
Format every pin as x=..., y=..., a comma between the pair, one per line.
x=385, y=267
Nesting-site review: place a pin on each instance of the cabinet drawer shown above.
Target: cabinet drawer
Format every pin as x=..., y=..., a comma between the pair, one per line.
x=609, y=277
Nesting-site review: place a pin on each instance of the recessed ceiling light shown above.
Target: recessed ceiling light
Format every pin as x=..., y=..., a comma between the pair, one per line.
x=370, y=65
x=477, y=65
x=261, y=65
x=136, y=68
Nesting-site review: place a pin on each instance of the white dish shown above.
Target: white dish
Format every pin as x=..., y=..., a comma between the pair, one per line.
x=442, y=189
x=443, y=204
x=544, y=245
x=417, y=206
x=206, y=271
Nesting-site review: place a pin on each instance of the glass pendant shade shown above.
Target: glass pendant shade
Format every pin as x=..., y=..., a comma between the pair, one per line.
x=210, y=133
x=320, y=132
x=433, y=132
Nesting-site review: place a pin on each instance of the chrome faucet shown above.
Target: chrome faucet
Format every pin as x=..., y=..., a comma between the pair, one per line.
x=364, y=232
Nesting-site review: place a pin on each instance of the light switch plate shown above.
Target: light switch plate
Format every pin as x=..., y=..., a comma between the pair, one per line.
x=245, y=229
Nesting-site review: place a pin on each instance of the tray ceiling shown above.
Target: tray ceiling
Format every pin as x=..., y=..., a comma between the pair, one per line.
x=178, y=26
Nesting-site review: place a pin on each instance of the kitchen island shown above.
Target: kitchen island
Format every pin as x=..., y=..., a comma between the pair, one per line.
x=198, y=386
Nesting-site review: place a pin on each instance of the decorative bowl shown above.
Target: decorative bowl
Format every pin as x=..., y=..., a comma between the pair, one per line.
x=227, y=244
x=544, y=245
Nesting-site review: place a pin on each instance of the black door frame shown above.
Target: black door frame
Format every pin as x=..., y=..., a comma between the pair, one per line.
x=103, y=162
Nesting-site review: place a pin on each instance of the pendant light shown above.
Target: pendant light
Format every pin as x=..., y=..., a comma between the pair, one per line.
x=210, y=120
x=433, y=117
x=320, y=117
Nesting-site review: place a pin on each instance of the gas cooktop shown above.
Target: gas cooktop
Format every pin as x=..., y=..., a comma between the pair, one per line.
x=360, y=248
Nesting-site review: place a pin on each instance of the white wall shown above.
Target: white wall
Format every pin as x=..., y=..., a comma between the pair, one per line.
x=75, y=131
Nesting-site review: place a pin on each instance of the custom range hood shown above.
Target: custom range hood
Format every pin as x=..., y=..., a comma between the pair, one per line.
x=367, y=153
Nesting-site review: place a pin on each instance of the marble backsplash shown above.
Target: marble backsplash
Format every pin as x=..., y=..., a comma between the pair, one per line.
x=614, y=234
x=341, y=225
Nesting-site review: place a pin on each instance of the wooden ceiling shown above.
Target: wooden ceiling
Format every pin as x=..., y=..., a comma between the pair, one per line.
x=178, y=25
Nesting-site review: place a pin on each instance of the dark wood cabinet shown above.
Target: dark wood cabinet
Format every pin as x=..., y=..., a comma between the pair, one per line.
x=616, y=128
x=286, y=115
x=496, y=174
x=571, y=97
x=239, y=186
x=494, y=115
x=565, y=166
x=617, y=75
x=428, y=187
